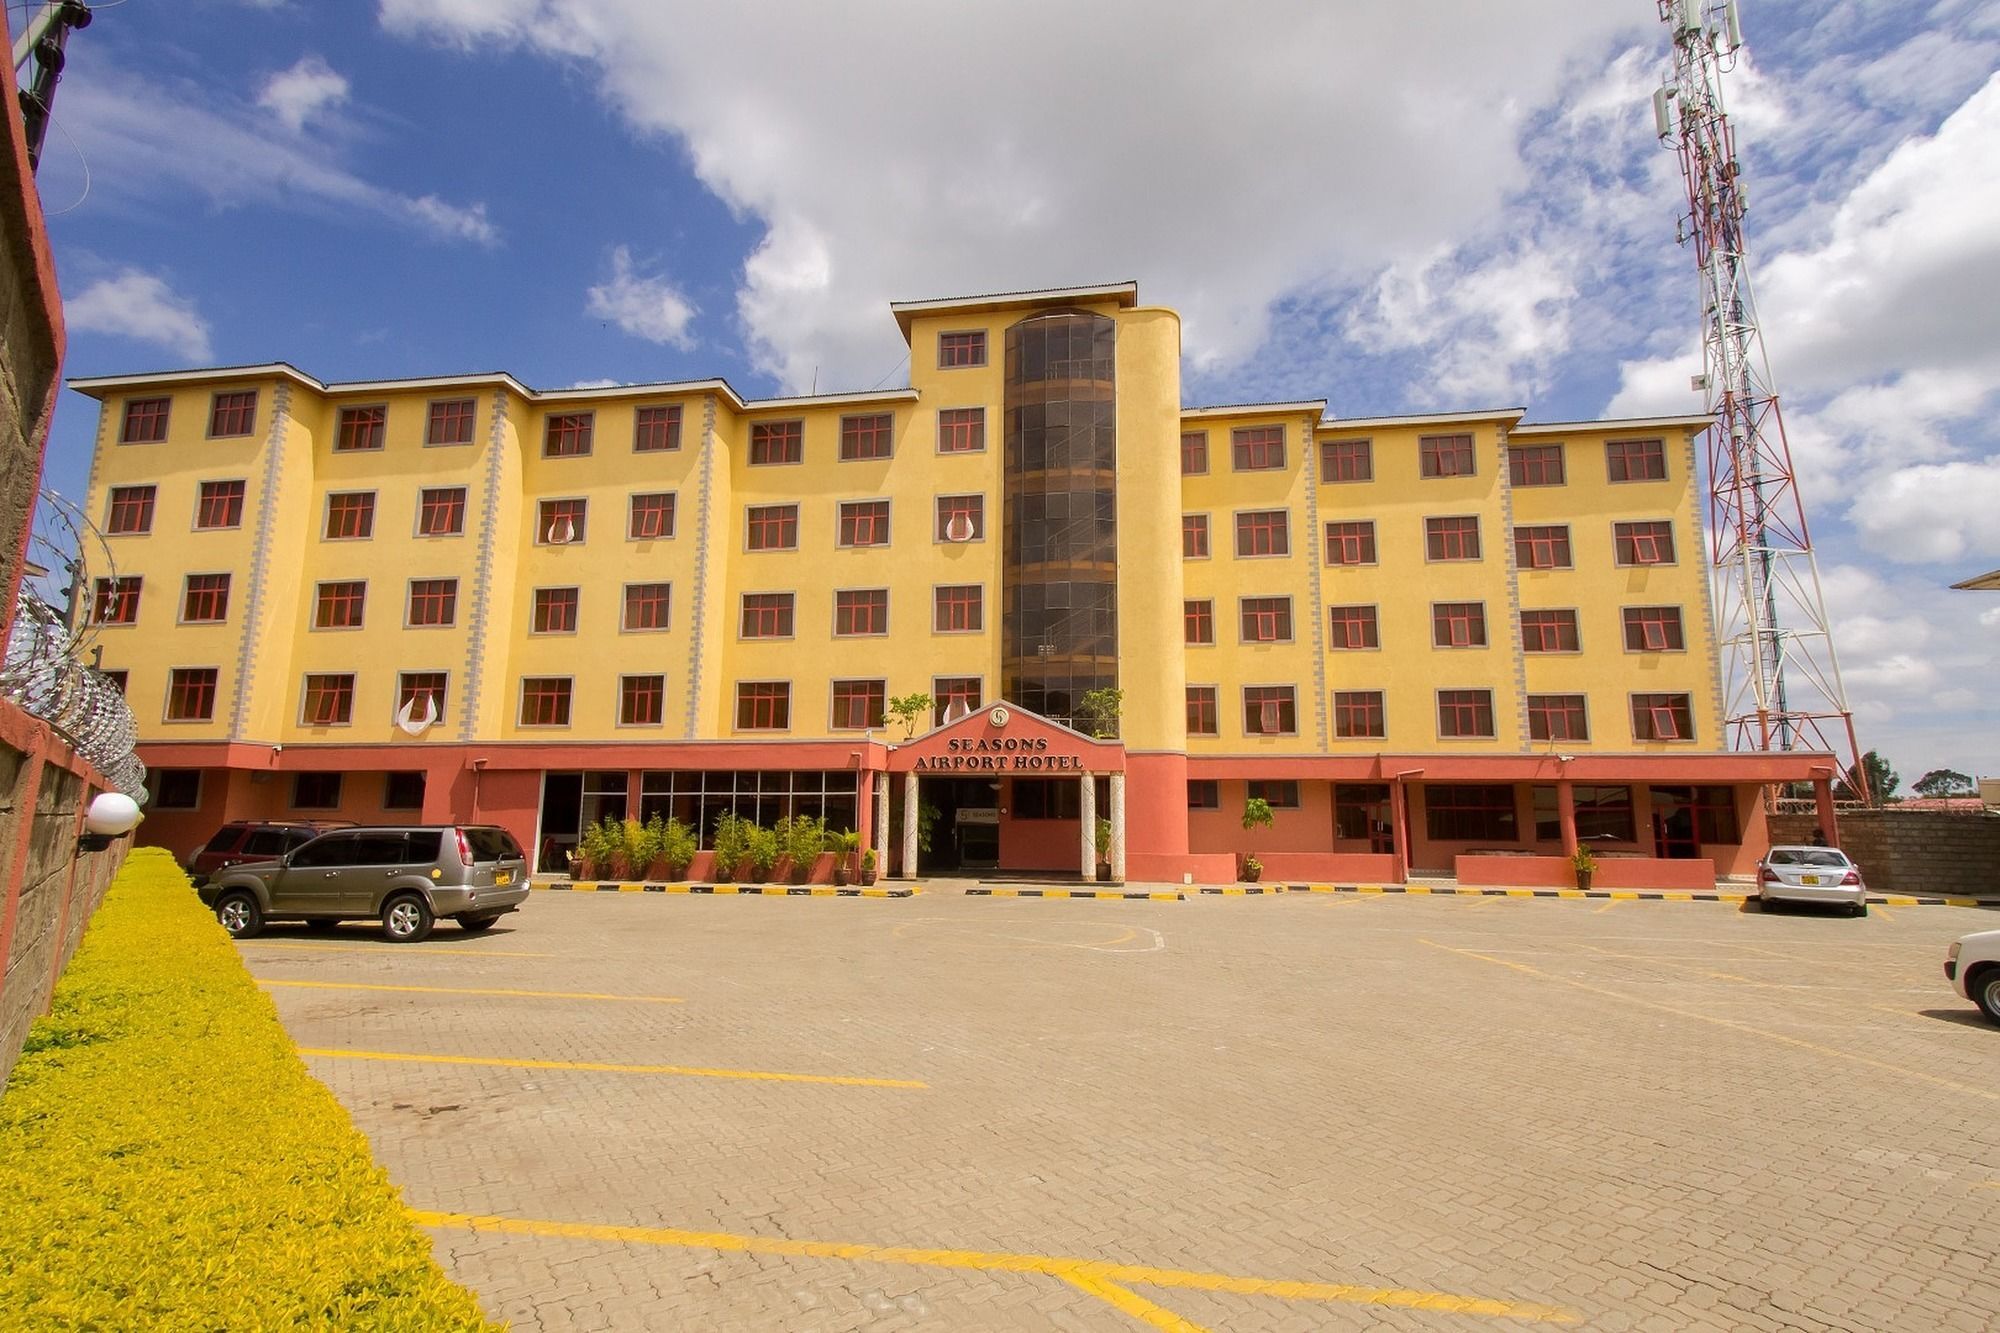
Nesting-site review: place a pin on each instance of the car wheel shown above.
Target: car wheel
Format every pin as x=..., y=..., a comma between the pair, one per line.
x=321, y=925
x=1859, y=909
x=475, y=923
x=1987, y=993
x=239, y=914
x=406, y=918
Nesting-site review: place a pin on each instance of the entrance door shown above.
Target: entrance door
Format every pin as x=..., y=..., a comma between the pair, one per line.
x=1361, y=810
x=1674, y=836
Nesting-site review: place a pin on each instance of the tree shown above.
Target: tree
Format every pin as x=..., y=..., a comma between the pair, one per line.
x=1943, y=782
x=907, y=708
x=1881, y=781
x=1100, y=708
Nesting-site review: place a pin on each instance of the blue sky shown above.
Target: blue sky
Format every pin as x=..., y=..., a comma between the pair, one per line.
x=1396, y=206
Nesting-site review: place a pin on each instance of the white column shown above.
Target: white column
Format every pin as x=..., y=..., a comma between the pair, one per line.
x=909, y=825
x=881, y=841
x=1087, y=803
x=1118, y=827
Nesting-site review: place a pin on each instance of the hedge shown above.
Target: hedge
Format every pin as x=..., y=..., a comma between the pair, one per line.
x=167, y=1162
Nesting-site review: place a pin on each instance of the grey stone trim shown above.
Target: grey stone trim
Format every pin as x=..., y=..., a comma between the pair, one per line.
x=260, y=559
x=482, y=572
x=1698, y=522
x=1513, y=629
x=698, y=600
x=1315, y=537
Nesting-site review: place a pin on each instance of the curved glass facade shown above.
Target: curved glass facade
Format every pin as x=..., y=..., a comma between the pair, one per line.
x=1059, y=572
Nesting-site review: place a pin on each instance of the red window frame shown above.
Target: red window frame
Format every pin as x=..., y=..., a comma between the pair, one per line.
x=205, y=599
x=420, y=687
x=220, y=505
x=568, y=434
x=958, y=608
x=970, y=507
x=867, y=436
x=772, y=527
x=860, y=611
x=777, y=443
x=946, y=691
x=361, y=429
x=1465, y=714
x=341, y=604
x=1557, y=717
x=545, y=701
x=1543, y=547
x=1662, y=717
x=1194, y=453
x=1470, y=812
x=145, y=421
x=327, y=699
x=1536, y=465
x=1257, y=448
x=1346, y=461
x=651, y=516
x=1359, y=715
x=1263, y=532
x=1265, y=619
x=552, y=517
x=1635, y=460
x=656, y=429
x=131, y=511
x=555, y=610
x=642, y=701
x=767, y=615
x=859, y=704
x=1654, y=629
x=1453, y=538
x=1446, y=456
x=1194, y=536
x=433, y=603
x=1198, y=621
x=231, y=413
x=350, y=515
x=450, y=421
x=962, y=430
x=1351, y=542
x=863, y=523
x=191, y=694
x=1458, y=624
x=1270, y=710
x=649, y=607
x=958, y=350
x=441, y=511
x=1646, y=543
x=1550, y=631
x=1202, y=718
x=117, y=600
x=1352, y=627
x=763, y=705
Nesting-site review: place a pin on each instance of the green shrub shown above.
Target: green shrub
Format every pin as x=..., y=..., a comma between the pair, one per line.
x=677, y=847
x=732, y=841
x=803, y=838
x=167, y=1162
x=761, y=852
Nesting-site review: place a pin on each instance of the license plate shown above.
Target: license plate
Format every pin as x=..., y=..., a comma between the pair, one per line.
x=504, y=877
x=1808, y=880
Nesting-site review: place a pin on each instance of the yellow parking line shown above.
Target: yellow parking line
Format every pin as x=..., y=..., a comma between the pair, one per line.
x=1132, y=1303
x=992, y=1262
x=469, y=990
x=593, y=1067
x=466, y=952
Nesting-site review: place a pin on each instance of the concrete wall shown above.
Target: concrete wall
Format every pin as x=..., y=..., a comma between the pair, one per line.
x=1913, y=851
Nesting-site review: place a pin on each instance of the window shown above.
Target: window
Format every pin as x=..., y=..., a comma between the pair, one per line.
x=1270, y=710
x=1542, y=548
x=545, y=701
x=1263, y=532
x=145, y=421
x=956, y=350
x=1194, y=536
x=763, y=705
x=560, y=522
x=220, y=505
x=555, y=611
x=1644, y=543
x=1361, y=813
x=1257, y=448
x=421, y=691
x=131, y=511
x=206, y=598
x=567, y=434
x=329, y=700
x=766, y=615
x=1359, y=715
x=642, y=701
x=961, y=518
x=864, y=523
x=117, y=601
x=1557, y=717
x=651, y=517
x=402, y=791
x=191, y=694
x=1715, y=816
x=774, y=442
x=1352, y=627
x=962, y=430
x=1445, y=455
x=1470, y=812
x=1266, y=619
x=1346, y=460
x=1535, y=464
x=952, y=692
x=1636, y=460
x=656, y=428
x=1201, y=711
x=176, y=789
x=1458, y=624
x=861, y=611
x=1204, y=794
x=1351, y=543
x=1653, y=629
x=959, y=608
x=321, y=791
x=1662, y=717
x=1194, y=453
x=360, y=428
x=1278, y=795
x=1465, y=714
x=450, y=422
x=350, y=515
x=647, y=606
x=1047, y=798
x=1452, y=538
x=773, y=527
x=339, y=605
x=441, y=511
x=232, y=414
x=433, y=602
x=858, y=704
x=866, y=437
x=1549, y=632
x=1603, y=814
x=117, y=680
x=1198, y=618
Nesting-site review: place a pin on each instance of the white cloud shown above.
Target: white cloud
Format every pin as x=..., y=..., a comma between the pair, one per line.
x=298, y=94
x=1933, y=512
x=452, y=221
x=649, y=308
x=140, y=306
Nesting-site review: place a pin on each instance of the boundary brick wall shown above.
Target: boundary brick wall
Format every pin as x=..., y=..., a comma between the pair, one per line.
x=1913, y=851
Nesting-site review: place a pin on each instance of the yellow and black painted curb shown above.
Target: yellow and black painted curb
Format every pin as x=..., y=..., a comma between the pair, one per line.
x=1155, y=895
x=1733, y=898
x=722, y=890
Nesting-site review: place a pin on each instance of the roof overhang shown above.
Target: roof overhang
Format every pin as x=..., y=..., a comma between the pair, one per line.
x=1125, y=294
x=103, y=386
x=1692, y=423
x=1983, y=583
x=1224, y=411
x=1340, y=425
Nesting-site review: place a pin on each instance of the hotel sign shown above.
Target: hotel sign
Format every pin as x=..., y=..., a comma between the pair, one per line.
x=1001, y=754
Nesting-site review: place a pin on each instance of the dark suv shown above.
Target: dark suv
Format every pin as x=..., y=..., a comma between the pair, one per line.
x=406, y=876
x=252, y=841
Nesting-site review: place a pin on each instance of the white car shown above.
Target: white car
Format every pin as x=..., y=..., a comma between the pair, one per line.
x=1973, y=967
x=1811, y=875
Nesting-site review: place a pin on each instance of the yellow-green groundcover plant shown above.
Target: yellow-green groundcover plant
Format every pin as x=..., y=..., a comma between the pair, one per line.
x=166, y=1162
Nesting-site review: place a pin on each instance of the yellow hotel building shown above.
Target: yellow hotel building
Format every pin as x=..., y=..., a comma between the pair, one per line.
x=1446, y=644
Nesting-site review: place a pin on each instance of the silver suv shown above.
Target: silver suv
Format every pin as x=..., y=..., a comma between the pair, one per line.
x=405, y=876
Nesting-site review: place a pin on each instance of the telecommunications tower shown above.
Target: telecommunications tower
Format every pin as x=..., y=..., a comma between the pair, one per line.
x=1781, y=686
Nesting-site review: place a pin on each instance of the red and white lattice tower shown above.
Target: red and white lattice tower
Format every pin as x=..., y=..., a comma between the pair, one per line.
x=1781, y=687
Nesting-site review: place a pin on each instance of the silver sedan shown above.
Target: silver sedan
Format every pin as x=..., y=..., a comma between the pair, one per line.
x=1811, y=875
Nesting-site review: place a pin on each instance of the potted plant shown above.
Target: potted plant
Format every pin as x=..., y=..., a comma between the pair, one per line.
x=802, y=838
x=1104, y=849
x=868, y=866
x=761, y=854
x=677, y=849
x=1256, y=814
x=1253, y=869
x=1584, y=862
x=601, y=846
x=843, y=846
x=731, y=842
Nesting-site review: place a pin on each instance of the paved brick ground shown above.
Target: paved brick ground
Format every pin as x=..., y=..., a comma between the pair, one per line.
x=1647, y=1115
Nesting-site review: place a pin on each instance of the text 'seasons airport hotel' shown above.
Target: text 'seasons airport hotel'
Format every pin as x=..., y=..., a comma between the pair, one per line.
x=1440, y=643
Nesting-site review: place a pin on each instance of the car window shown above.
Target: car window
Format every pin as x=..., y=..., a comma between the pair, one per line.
x=298, y=838
x=267, y=842
x=335, y=849
x=423, y=847
x=1817, y=857
x=379, y=849
x=225, y=839
x=492, y=844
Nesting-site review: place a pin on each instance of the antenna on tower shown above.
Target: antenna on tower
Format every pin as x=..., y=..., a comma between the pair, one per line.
x=1781, y=682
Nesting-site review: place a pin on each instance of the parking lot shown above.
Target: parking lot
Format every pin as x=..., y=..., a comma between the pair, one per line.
x=1300, y=1112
